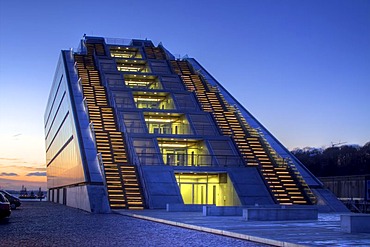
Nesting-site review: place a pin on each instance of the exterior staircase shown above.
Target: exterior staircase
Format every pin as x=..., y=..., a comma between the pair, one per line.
x=154, y=53
x=284, y=181
x=121, y=177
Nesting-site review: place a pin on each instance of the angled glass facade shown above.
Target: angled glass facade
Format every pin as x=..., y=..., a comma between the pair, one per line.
x=129, y=126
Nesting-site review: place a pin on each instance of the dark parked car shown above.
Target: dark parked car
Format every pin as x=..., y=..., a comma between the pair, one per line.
x=5, y=210
x=13, y=200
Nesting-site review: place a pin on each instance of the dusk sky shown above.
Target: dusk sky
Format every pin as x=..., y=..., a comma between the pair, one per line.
x=302, y=68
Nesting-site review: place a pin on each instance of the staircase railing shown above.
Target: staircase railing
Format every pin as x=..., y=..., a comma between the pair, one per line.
x=293, y=171
x=308, y=192
x=101, y=166
x=134, y=160
x=279, y=161
x=141, y=178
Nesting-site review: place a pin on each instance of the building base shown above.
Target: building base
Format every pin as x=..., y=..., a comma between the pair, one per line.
x=91, y=198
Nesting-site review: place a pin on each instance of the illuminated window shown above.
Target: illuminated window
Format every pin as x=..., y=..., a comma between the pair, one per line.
x=167, y=123
x=125, y=52
x=184, y=152
x=142, y=81
x=207, y=188
x=154, y=100
x=139, y=66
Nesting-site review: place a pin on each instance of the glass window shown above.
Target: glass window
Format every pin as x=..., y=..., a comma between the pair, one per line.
x=107, y=65
x=224, y=152
x=146, y=152
x=186, y=102
x=207, y=188
x=142, y=81
x=167, y=123
x=203, y=124
x=123, y=100
x=154, y=100
x=114, y=80
x=172, y=83
x=184, y=152
x=160, y=67
x=125, y=52
x=139, y=66
x=133, y=122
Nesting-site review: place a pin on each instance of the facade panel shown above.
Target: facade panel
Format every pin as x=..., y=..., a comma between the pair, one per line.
x=70, y=160
x=64, y=166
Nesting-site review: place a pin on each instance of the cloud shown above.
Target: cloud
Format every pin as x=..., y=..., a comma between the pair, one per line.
x=7, y=160
x=8, y=174
x=40, y=169
x=24, y=167
x=10, y=159
x=36, y=174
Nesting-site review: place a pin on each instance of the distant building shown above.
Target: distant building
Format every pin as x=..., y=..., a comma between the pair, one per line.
x=128, y=125
x=355, y=187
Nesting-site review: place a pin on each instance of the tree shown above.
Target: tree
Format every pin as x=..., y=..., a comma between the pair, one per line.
x=336, y=161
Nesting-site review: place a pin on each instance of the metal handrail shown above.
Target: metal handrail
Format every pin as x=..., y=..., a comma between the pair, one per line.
x=286, y=162
x=278, y=160
x=190, y=160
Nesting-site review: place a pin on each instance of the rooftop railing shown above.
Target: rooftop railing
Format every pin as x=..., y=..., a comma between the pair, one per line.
x=118, y=41
x=192, y=160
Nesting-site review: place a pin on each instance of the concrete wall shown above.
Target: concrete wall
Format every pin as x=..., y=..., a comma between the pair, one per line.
x=353, y=223
x=180, y=207
x=250, y=186
x=276, y=214
x=98, y=199
x=91, y=198
x=161, y=186
x=77, y=197
x=222, y=211
x=327, y=200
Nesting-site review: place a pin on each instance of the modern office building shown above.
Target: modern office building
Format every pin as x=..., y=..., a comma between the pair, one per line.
x=129, y=126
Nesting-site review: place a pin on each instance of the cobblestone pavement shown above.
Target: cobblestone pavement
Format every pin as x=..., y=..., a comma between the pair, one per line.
x=50, y=224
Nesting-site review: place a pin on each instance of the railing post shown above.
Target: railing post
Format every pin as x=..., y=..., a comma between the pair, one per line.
x=101, y=166
x=92, y=130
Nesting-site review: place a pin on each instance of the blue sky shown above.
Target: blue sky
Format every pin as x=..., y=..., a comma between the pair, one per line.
x=301, y=67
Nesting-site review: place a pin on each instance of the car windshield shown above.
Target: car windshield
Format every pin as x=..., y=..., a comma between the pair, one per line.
x=4, y=192
x=2, y=198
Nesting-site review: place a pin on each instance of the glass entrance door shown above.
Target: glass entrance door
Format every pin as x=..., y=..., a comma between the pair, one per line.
x=207, y=188
x=194, y=193
x=187, y=193
x=200, y=195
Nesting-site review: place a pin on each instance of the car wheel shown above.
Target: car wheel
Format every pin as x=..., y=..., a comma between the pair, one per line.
x=12, y=206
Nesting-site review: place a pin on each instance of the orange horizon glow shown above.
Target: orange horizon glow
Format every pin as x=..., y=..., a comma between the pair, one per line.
x=16, y=184
x=22, y=162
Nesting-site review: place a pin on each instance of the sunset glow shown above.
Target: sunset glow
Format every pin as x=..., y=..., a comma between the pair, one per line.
x=301, y=68
x=22, y=162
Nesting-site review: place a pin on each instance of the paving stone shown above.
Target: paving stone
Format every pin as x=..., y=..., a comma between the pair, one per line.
x=326, y=231
x=50, y=224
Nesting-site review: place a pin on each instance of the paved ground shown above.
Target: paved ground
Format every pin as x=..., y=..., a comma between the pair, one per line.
x=49, y=224
x=325, y=231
